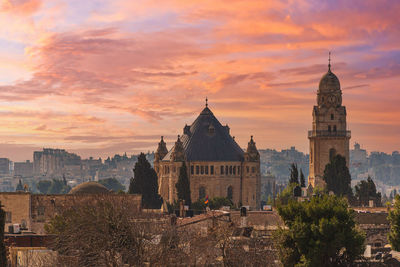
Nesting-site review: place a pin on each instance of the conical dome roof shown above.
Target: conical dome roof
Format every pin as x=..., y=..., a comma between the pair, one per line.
x=207, y=140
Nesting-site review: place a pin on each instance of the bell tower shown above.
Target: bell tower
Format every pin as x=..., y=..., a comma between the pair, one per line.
x=329, y=135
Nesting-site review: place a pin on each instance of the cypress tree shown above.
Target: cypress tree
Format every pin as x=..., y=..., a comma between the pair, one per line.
x=183, y=185
x=337, y=177
x=294, y=174
x=3, y=252
x=302, y=179
x=145, y=182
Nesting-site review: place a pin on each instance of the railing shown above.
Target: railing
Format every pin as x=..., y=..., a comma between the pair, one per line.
x=329, y=133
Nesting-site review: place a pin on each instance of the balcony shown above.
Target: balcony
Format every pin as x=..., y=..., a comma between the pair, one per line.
x=329, y=133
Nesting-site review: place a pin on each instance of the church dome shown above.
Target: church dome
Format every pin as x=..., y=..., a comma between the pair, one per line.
x=89, y=188
x=329, y=82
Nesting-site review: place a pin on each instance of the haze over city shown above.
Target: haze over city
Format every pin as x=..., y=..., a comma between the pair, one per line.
x=105, y=77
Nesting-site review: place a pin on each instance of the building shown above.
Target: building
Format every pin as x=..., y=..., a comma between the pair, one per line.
x=23, y=169
x=216, y=165
x=329, y=135
x=55, y=162
x=5, y=165
x=32, y=211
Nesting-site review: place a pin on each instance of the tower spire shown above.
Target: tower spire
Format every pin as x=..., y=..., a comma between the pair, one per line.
x=329, y=60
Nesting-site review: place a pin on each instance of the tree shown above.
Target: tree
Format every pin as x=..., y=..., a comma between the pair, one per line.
x=394, y=219
x=337, y=177
x=302, y=179
x=294, y=174
x=3, y=251
x=183, y=185
x=320, y=232
x=112, y=184
x=145, y=183
x=58, y=187
x=20, y=187
x=44, y=186
x=366, y=191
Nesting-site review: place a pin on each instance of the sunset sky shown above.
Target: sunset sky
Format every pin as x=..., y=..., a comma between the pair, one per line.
x=104, y=77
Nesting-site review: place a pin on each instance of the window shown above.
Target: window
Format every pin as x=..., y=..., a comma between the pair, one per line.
x=332, y=153
x=8, y=216
x=41, y=210
x=234, y=170
x=206, y=169
x=253, y=169
x=329, y=128
x=211, y=170
x=201, y=169
x=238, y=169
x=197, y=169
x=247, y=169
x=226, y=170
x=202, y=192
x=334, y=128
x=230, y=170
x=229, y=192
x=222, y=169
x=192, y=170
x=332, y=116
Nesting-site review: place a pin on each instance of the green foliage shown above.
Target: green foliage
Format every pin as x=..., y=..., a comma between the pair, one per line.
x=3, y=251
x=19, y=187
x=302, y=179
x=394, y=219
x=286, y=195
x=58, y=187
x=183, y=186
x=44, y=186
x=320, y=232
x=213, y=203
x=365, y=191
x=112, y=184
x=145, y=182
x=337, y=177
x=294, y=174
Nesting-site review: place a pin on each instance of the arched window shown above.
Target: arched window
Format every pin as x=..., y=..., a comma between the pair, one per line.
x=222, y=169
x=229, y=192
x=230, y=170
x=332, y=153
x=202, y=192
x=329, y=128
x=332, y=116
x=334, y=128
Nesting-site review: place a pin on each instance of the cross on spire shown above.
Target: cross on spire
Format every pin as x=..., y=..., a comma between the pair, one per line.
x=206, y=102
x=329, y=60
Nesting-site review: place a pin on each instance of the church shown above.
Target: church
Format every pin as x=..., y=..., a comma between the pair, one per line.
x=217, y=166
x=329, y=135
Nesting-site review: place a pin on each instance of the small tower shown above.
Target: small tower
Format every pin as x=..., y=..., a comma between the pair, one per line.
x=251, y=181
x=161, y=150
x=178, y=153
x=329, y=135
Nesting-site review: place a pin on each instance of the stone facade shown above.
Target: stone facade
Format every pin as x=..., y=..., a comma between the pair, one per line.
x=216, y=165
x=34, y=210
x=329, y=135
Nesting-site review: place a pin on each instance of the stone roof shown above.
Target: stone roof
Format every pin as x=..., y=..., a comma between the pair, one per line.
x=207, y=140
x=329, y=82
x=89, y=188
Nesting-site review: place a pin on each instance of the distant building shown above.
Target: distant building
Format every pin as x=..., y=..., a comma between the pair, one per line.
x=5, y=166
x=329, y=135
x=268, y=184
x=216, y=164
x=23, y=169
x=358, y=156
x=55, y=162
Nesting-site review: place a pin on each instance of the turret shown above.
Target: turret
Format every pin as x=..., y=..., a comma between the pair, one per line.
x=161, y=150
x=178, y=153
x=252, y=152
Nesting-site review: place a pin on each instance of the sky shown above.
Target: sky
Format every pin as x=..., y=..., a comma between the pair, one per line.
x=102, y=77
